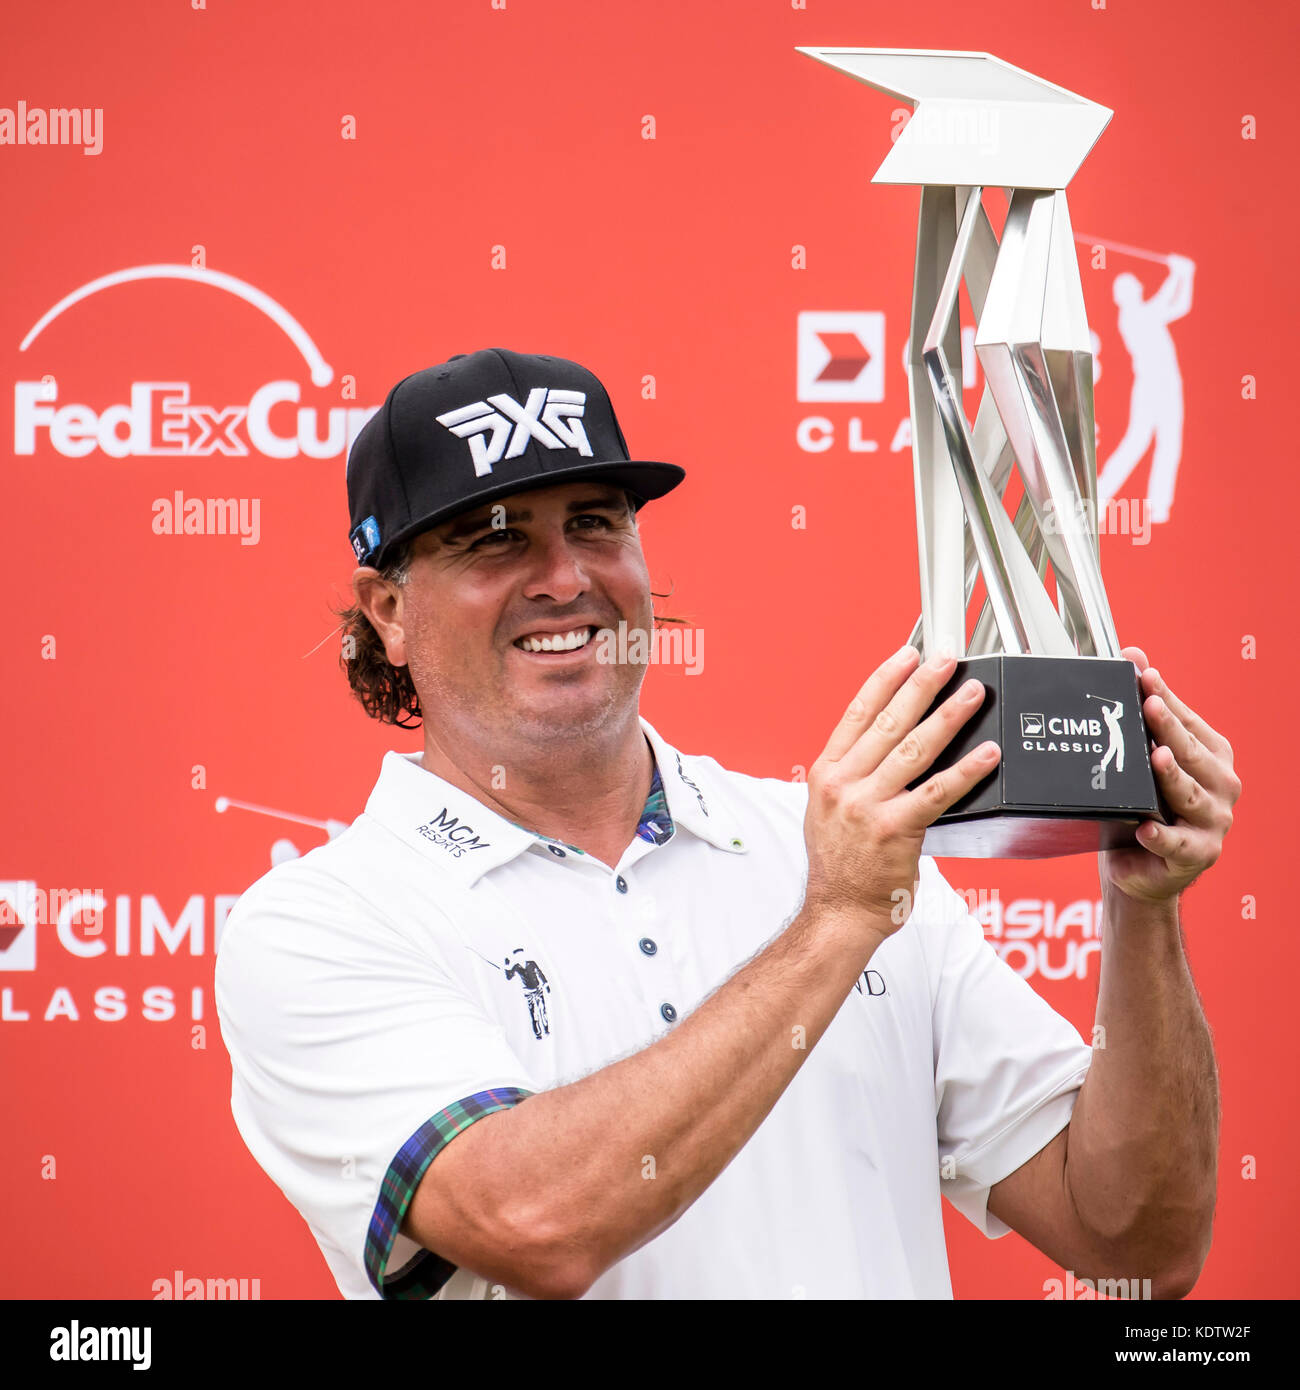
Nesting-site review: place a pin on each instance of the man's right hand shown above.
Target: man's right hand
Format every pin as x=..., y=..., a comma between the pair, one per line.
x=863, y=827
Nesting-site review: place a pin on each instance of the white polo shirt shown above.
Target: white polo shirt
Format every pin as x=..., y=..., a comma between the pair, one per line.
x=436, y=962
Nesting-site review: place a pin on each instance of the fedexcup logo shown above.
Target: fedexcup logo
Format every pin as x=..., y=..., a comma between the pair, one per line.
x=164, y=418
x=500, y=428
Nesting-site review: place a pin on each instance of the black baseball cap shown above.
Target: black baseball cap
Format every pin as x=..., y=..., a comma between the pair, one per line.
x=478, y=427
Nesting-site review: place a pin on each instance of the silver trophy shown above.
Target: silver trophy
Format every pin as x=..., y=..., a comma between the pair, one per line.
x=1064, y=706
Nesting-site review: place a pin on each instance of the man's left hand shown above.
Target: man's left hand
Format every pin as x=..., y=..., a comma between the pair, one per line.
x=1193, y=764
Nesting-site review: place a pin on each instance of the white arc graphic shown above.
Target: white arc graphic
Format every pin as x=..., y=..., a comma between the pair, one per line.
x=321, y=372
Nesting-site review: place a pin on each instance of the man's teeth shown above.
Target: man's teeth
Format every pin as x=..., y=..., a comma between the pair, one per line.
x=567, y=642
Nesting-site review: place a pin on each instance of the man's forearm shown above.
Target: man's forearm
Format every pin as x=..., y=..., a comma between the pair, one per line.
x=1142, y=1153
x=547, y=1195
x=588, y=1172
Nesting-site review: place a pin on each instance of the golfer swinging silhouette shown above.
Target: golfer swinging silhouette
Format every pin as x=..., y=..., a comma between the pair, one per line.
x=1111, y=714
x=1156, y=404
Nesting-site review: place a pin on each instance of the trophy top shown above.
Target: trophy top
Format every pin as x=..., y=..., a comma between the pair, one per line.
x=977, y=119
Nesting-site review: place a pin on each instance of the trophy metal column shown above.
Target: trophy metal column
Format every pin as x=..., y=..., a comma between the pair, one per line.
x=1062, y=703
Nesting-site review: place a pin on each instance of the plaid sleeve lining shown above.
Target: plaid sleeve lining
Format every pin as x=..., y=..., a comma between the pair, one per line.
x=423, y=1276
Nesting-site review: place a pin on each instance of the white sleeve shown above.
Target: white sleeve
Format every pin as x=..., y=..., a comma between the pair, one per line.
x=356, y=1055
x=1007, y=1066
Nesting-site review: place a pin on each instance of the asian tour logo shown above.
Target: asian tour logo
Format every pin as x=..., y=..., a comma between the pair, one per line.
x=501, y=428
x=168, y=418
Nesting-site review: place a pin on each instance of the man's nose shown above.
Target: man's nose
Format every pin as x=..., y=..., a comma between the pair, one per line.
x=557, y=567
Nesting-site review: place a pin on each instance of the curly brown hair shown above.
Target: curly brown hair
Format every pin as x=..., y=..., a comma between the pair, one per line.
x=387, y=692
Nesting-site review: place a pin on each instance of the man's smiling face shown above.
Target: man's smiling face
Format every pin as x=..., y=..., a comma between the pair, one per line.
x=558, y=560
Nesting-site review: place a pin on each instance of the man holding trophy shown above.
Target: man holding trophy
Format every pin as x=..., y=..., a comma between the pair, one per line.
x=773, y=1036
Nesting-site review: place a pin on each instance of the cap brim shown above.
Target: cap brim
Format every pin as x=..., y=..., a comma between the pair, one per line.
x=646, y=480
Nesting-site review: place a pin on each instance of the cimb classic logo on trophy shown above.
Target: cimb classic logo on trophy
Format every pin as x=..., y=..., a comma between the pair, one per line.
x=1060, y=700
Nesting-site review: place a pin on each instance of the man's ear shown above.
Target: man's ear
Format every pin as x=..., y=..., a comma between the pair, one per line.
x=381, y=602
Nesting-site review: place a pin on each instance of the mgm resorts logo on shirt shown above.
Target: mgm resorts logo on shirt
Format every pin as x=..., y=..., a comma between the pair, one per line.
x=447, y=832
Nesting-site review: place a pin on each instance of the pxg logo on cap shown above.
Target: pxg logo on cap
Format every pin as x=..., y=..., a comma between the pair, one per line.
x=480, y=427
x=550, y=415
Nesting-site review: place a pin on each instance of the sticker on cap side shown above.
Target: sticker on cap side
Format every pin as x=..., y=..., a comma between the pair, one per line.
x=365, y=539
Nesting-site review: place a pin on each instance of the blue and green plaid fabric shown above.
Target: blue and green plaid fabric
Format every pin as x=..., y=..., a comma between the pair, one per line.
x=656, y=824
x=423, y=1276
x=427, y=1272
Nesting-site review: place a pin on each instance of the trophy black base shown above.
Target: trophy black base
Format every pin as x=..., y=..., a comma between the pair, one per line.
x=1075, y=773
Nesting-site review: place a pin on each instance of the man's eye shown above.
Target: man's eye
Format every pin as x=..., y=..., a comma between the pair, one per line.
x=510, y=530
x=494, y=535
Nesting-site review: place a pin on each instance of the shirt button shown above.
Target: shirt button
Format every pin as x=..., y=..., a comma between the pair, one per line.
x=622, y=883
x=647, y=945
x=669, y=1013
x=556, y=851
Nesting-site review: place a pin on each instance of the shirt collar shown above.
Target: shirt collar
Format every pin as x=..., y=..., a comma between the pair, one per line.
x=459, y=832
x=695, y=794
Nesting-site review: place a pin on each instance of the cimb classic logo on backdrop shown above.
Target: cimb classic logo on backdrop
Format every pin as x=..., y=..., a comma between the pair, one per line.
x=551, y=416
x=164, y=418
x=841, y=358
x=96, y=924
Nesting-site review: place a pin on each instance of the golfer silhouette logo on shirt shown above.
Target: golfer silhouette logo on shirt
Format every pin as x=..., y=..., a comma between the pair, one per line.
x=536, y=988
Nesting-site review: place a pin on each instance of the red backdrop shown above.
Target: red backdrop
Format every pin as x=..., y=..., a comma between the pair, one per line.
x=405, y=181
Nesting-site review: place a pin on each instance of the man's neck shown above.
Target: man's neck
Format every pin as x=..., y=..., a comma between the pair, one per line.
x=588, y=797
